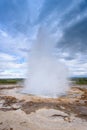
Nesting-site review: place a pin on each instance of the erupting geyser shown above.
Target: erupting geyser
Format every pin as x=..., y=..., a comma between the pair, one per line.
x=47, y=76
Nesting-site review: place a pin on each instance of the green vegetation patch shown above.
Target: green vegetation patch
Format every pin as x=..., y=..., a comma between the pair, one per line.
x=10, y=81
x=79, y=81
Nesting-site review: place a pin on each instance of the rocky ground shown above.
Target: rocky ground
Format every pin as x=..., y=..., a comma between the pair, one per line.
x=27, y=112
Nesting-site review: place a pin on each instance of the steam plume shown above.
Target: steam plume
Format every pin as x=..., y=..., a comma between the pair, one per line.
x=46, y=75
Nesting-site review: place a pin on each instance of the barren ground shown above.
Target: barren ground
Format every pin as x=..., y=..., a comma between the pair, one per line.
x=27, y=112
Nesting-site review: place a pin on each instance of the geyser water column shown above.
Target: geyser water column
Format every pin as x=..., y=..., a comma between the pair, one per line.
x=46, y=75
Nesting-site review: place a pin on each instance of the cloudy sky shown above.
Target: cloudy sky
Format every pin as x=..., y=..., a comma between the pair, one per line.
x=19, y=24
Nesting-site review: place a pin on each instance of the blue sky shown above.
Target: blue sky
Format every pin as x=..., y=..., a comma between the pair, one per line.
x=19, y=24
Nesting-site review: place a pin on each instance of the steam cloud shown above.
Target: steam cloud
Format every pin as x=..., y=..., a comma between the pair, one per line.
x=46, y=75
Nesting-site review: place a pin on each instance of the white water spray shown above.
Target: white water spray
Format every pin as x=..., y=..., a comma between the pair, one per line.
x=46, y=75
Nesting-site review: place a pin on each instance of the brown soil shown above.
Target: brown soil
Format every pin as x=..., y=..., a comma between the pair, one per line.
x=76, y=105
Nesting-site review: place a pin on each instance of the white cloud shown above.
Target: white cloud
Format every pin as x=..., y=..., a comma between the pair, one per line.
x=13, y=44
x=76, y=68
x=11, y=67
x=6, y=57
x=9, y=74
x=13, y=54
